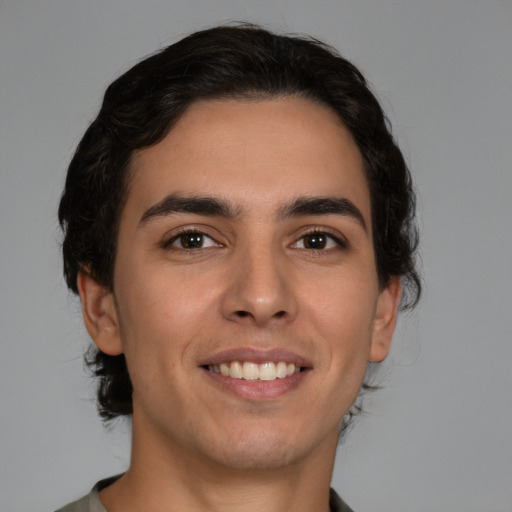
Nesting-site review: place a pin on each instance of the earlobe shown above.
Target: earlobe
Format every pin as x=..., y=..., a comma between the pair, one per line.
x=385, y=319
x=100, y=315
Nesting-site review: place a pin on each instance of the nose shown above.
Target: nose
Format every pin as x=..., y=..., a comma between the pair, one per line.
x=260, y=289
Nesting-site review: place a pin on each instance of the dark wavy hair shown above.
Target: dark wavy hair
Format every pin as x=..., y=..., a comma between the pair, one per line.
x=227, y=62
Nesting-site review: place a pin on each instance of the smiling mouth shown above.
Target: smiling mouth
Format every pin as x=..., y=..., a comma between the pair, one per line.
x=247, y=370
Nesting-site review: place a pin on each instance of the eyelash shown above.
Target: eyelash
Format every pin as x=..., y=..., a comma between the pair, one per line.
x=168, y=244
x=340, y=242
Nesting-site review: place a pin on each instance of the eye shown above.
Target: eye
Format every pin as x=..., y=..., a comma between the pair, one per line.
x=319, y=241
x=190, y=240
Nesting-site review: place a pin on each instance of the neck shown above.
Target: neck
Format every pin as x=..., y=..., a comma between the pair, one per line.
x=164, y=477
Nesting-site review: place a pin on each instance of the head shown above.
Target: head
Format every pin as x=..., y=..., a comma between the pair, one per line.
x=226, y=63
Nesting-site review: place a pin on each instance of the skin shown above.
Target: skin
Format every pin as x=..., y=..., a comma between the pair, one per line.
x=255, y=287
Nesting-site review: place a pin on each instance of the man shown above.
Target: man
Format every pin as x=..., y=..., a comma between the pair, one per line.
x=239, y=226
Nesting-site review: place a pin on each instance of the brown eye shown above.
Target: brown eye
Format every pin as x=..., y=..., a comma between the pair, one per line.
x=319, y=241
x=315, y=241
x=191, y=240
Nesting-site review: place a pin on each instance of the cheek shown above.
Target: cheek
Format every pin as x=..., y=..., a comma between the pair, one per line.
x=343, y=303
x=342, y=311
x=164, y=312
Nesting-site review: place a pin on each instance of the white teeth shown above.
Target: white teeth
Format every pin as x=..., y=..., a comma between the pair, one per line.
x=235, y=370
x=268, y=371
x=281, y=370
x=248, y=370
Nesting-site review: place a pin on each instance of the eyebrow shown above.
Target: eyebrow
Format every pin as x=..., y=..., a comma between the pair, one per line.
x=323, y=206
x=199, y=205
x=216, y=207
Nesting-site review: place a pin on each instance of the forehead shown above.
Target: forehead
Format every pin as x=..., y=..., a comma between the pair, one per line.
x=252, y=153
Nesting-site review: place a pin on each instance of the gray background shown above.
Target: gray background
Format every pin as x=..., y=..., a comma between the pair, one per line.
x=439, y=436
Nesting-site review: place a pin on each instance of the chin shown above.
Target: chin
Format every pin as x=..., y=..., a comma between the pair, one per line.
x=263, y=450
x=259, y=457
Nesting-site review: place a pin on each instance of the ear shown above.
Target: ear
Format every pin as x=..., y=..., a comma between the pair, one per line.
x=100, y=315
x=385, y=319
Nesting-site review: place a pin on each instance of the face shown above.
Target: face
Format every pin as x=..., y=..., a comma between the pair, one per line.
x=246, y=298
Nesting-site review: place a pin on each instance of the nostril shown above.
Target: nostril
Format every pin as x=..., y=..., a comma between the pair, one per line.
x=243, y=314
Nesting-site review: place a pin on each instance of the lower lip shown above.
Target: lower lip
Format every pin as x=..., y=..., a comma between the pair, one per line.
x=257, y=389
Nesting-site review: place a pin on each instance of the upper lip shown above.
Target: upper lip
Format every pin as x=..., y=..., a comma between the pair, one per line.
x=255, y=355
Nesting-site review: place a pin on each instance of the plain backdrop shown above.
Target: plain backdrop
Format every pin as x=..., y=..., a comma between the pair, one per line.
x=438, y=437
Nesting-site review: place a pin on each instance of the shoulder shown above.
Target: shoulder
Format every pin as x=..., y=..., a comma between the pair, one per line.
x=336, y=504
x=81, y=505
x=90, y=502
